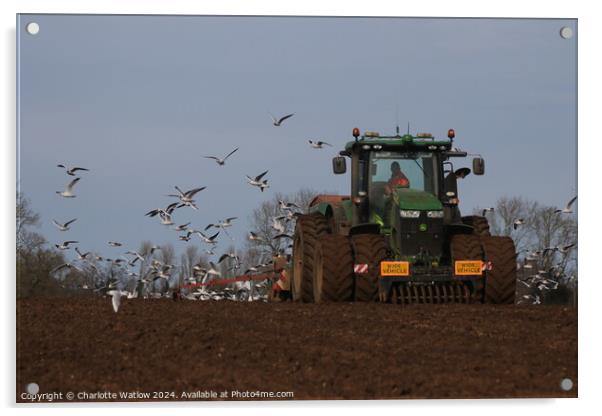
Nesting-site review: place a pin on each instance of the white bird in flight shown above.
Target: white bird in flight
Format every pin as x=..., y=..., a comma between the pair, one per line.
x=219, y=161
x=115, y=298
x=278, y=121
x=63, y=266
x=185, y=237
x=71, y=171
x=186, y=197
x=567, y=209
x=182, y=227
x=68, y=192
x=518, y=222
x=222, y=224
x=137, y=256
x=208, y=240
x=80, y=255
x=254, y=237
x=164, y=214
x=258, y=182
x=65, y=226
x=318, y=144
x=278, y=226
x=287, y=206
x=65, y=245
x=486, y=210
x=115, y=244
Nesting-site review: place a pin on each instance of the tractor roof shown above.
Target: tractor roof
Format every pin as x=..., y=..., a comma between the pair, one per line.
x=422, y=141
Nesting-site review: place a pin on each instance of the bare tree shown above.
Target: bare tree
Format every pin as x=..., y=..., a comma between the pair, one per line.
x=188, y=260
x=544, y=241
x=265, y=218
x=167, y=254
x=507, y=211
x=34, y=261
x=26, y=218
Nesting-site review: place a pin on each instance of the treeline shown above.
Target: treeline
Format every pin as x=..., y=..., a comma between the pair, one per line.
x=540, y=238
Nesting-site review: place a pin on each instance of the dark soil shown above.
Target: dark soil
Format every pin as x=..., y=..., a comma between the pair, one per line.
x=316, y=351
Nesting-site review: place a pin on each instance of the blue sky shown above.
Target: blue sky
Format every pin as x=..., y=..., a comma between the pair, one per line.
x=140, y=99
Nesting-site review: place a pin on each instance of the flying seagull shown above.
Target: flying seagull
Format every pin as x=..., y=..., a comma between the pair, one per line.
x=254, y=237
x=278, y=122
x=567, y=209
x=318, y=144
x=186, y=197
x=115, y=244
x=71, y=171
x=63, y=266
x=518, y=222
x=219, y=161
x=68, y=192
x=115, y=298
x=486, y=210
x=222, y=224
x=185, y=237
x=563, y=249
x=287, y=206
x=81, y=256
x=164, y=214
x=137, y=256
x=208, y=240
x=65, y=245
x=258, y=182
x=65, y=226
x=182, y=227
x=278, y=226
x=228, y=255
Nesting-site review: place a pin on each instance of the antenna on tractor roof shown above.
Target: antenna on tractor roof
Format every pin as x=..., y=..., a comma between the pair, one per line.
x=408, y=127
x=397, y=118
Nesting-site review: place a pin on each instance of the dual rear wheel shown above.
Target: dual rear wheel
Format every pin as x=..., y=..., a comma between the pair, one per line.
x=323, y=264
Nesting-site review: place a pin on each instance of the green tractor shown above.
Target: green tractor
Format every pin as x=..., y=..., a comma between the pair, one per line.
x=399, y=237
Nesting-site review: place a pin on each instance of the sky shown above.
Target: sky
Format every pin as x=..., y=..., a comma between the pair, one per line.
x=139, y=100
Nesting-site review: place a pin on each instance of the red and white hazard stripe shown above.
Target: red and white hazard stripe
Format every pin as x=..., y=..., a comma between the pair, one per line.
x=360, y=268
x=486, y=266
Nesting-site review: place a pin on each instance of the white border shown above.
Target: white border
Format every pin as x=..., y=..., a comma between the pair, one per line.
x=589, y=93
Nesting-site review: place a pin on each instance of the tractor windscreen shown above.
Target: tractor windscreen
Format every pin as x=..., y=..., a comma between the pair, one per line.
x=389, y=170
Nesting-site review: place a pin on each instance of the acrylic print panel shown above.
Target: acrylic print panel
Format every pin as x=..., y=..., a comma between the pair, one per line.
x=182, y=236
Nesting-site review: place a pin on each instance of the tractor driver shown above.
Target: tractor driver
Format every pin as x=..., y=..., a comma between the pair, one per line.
x=398, y=179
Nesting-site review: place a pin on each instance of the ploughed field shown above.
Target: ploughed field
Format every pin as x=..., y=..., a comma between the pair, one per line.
x=315, y=351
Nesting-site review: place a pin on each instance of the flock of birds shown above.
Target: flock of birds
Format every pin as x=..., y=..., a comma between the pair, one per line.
x=542, y=280
x=156, y=270
x=538, y=278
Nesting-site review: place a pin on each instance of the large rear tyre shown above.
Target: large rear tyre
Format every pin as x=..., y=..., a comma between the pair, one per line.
x=307, y=231
x=333, y=273
x=500, y=281
x=368, y=249
x=480, y=224
x=468, y=247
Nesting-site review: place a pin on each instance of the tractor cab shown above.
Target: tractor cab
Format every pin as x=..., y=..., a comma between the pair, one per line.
x=410, y=173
